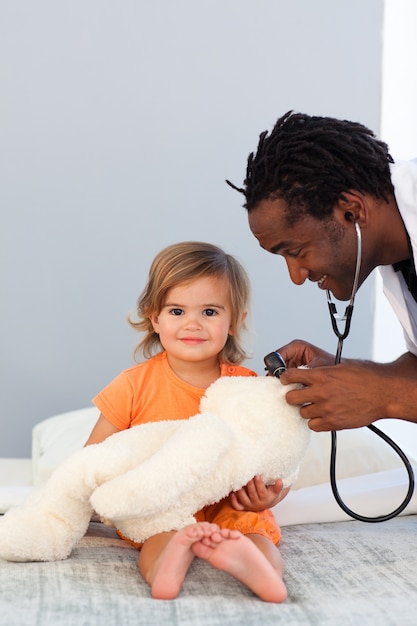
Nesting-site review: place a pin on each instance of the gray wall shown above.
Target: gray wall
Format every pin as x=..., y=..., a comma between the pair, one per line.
x=119, y=123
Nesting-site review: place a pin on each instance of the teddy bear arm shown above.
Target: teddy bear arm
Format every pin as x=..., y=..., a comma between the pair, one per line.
x=186, y=459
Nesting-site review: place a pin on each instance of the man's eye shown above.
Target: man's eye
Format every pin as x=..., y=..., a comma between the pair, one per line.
x=210, y=312
x=176, y=311
x=294, y=253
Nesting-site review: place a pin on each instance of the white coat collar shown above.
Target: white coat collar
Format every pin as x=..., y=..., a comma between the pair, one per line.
x=404, y=179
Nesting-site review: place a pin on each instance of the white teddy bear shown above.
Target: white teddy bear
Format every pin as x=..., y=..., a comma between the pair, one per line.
x=153, y=477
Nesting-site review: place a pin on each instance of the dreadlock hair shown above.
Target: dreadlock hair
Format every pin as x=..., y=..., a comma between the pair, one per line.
x=182, y=263
x=310, y=161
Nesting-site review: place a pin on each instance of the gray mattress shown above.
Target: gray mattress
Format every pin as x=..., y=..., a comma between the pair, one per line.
x=336, y=573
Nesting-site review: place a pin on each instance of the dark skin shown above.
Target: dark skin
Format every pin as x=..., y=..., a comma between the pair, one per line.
x=336, y=397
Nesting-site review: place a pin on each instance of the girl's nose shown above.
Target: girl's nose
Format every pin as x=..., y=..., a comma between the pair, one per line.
x=192, y=320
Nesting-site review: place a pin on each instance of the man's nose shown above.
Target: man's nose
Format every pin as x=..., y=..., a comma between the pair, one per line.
x=298, y=274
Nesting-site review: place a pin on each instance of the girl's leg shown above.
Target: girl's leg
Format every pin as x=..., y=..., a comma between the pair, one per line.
x=165, y=558
x=252, y=559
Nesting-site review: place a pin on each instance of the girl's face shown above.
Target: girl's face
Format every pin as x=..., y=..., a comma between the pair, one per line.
x=195, y=320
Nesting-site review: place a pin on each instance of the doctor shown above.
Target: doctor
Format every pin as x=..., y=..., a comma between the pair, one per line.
x=310, y=184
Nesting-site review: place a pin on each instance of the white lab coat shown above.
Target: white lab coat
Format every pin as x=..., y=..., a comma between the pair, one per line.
x=404, y=179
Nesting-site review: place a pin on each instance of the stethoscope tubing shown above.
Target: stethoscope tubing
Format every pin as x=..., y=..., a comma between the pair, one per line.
x=341, y=503
x=341, y=335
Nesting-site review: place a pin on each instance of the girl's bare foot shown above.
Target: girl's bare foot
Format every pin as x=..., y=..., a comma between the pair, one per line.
x=232, y=552
x=172, y=565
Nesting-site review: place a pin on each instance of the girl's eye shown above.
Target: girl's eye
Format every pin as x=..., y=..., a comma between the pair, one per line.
x=176, y=311
x=210, y=312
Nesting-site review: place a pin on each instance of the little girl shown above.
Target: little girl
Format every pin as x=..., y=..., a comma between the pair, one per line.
x=192, y=312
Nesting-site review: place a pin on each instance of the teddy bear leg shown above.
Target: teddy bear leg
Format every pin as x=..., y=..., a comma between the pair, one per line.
x=34, y=533
x=56, y=516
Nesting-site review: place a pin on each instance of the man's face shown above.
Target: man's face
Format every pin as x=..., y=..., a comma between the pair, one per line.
x=323, y=251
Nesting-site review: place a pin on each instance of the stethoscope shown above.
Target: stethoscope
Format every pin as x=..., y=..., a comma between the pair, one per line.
x=347, y=318
x=275, y=365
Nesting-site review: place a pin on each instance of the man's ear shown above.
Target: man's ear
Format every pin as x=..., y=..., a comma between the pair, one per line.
x=353, y=207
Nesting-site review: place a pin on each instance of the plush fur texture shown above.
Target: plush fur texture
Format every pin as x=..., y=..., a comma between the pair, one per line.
x=154, y=477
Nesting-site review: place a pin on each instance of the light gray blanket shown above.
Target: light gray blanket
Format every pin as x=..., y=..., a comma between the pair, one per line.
x=337, y=573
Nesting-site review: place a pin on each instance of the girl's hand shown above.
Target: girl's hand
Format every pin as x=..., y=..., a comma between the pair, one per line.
x=256, y=496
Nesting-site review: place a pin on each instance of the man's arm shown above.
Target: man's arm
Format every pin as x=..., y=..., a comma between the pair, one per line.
x=352, y=394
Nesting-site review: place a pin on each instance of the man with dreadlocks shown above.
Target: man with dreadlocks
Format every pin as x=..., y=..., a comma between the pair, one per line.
x=307, y=184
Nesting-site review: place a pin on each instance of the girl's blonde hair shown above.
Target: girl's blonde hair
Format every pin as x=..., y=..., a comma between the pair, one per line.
x=182, y=263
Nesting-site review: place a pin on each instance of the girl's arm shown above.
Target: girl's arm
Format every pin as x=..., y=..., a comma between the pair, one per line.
x=102, y=429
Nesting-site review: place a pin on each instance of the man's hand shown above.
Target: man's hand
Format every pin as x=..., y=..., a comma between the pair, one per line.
x=298, y=353
x=256, y=496
x=350, y=396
